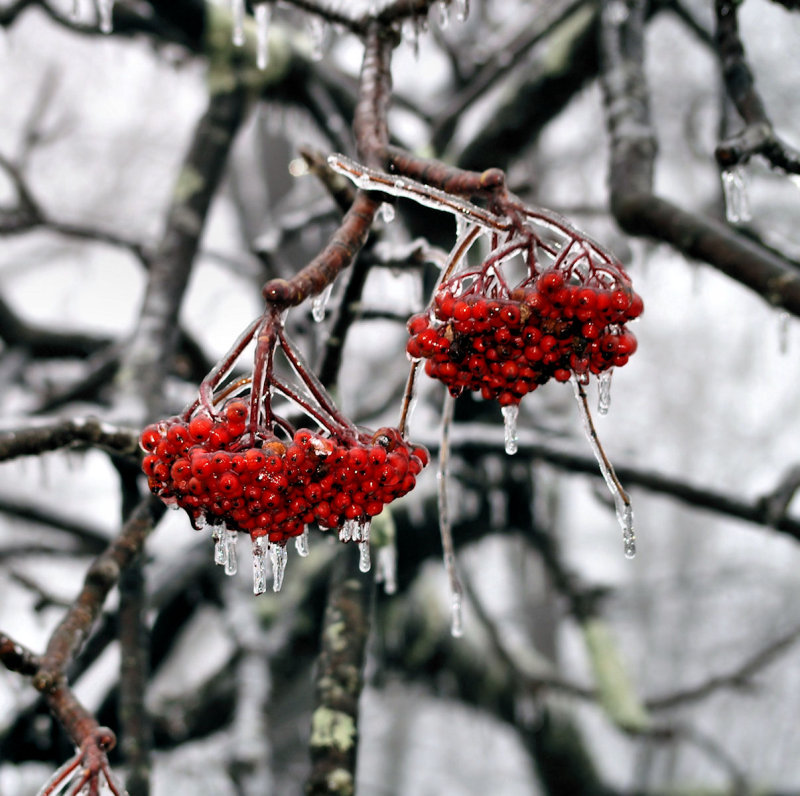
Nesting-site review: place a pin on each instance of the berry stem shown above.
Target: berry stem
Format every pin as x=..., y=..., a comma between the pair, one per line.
x=260, y=398
x=313, y=384
x=325, y=421
x=221, y=370
x=408, y=397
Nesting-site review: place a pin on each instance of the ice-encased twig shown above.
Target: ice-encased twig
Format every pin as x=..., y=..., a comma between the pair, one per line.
x=373, y=180
x=445, y=526
x=622, y=502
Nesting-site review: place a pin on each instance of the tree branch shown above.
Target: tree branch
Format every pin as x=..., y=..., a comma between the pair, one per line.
x=633, y=150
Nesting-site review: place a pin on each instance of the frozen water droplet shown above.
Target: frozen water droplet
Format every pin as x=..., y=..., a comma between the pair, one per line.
x=319, y=33
x=400, y=185
x=75, y=11
x=259, y=564
x=263, y=12
x=622, y=503
x=510, y=414
x=617, y=12
x=106, y=10
x=386, y=211
x=238, y=11
x=278, y=555
x=783, y=332
x=364, y=562
x=301, y=543
x=386, y=571
x=444, y=14
x=373, y=7
x=319, y=304
x=462, y=10
x=604, y=391
x=734, y=189
x=231, y=562
x=461, y=225
x=456, y=616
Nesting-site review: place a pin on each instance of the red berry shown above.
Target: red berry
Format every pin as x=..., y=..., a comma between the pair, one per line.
x=150, y=438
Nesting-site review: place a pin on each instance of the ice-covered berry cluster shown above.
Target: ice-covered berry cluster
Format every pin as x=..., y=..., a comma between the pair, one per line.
x=217, y=472
x=504, y=344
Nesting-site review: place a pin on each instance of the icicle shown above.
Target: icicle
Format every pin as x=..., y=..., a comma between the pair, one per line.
x=319, y=303
x=734, y=189
x=278, y=555
x=456, y=616
x=75, y=11
x=622, y=502
x=259, y=564
x=220, y=550
x=386, y=211
x=373, y=7
x=348, y=530
x=386, y=571
x=106, y=10
x=301, y=543
x=364, y=562
x=445, y=528
x=462, y=10
x=604, y=391
x=411, y=35
x=318, y=32
x=238, y=11
x=783, y=332
x=231, y=562
x=444, y=14
x=263, y=12
x=510, y=414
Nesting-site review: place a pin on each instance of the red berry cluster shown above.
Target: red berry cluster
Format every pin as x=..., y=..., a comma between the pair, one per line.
x=211, y=468
x=505, y=346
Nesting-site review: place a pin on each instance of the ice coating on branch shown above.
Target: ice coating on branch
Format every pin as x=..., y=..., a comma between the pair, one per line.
x=320, y=303
x=301, y=543
x=238, y=11
x=462, y=10
x=622, y=503
x=386, y=569
x=604, y=391
x=364, y=561
x=263, y=12
x=106, y=11
x=510, y=415
x=231, y=562
x=278, y=555
x=444, y=14
x=259, y=564
x=734, y=189
x=445, y=528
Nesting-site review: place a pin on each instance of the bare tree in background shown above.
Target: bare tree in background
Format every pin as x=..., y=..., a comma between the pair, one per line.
x=572, y=676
